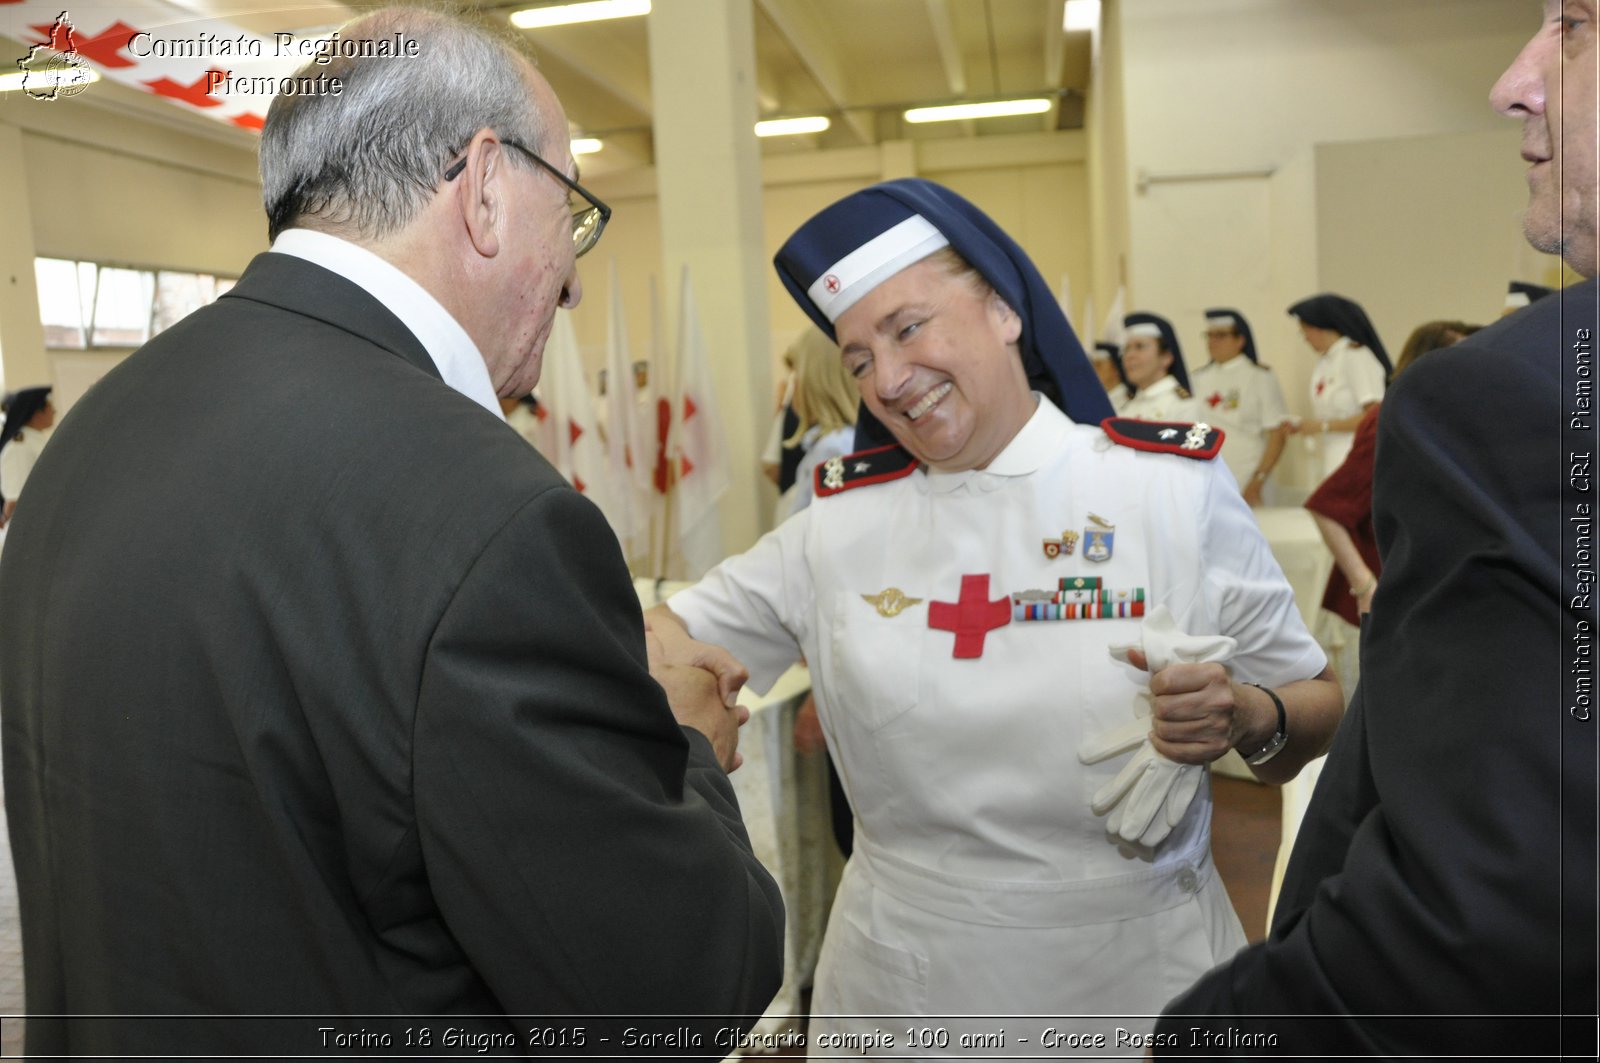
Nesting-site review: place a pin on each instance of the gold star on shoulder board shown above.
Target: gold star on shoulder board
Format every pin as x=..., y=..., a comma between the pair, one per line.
x=890, y=601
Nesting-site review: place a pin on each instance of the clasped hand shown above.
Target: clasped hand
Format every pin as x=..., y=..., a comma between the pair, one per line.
x=1183, y=720
x=702, y=683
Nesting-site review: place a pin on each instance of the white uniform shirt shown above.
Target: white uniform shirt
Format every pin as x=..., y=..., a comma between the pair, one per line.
x=1346, y=378
x=1163, y=401
x=981, y=881
x=17, y=458
x=1118, y=396
x=1244, y=400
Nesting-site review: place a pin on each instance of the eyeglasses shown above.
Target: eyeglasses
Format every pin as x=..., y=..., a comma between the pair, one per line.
x=587, y=222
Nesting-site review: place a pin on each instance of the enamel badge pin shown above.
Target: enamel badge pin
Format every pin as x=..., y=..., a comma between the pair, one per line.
x=1062, y=547
x=1098, y=539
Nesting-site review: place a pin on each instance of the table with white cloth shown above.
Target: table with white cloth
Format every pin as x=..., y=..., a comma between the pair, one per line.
x=783, y=796
x=1305, y=560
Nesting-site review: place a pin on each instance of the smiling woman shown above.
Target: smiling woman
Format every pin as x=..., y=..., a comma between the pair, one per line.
x=1003, y=851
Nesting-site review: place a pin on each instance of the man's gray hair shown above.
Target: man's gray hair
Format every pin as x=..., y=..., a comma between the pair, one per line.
x=366, y=161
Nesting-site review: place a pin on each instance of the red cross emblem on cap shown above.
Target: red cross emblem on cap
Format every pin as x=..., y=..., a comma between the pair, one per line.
x=831, y=283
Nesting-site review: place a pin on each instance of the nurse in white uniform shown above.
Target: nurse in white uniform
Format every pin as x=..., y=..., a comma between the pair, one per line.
x=29, y=418
x=1107, y=361
x=1242, y=397
x=1152, y=361
x=955, y=589
x=1351, y=372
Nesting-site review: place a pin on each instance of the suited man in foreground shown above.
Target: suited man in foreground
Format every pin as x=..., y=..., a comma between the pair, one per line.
x=324, y=694
x=1440, y=900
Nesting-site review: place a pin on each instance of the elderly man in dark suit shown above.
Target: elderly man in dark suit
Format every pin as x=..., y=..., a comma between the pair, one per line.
x=324, y=694
x=1441, y=896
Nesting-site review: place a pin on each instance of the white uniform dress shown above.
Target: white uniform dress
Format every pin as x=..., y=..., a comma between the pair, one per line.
x=1345, y=380
x=1244, y=400
x=1119, y=397
x=1163, y=401
x=17, y=458
x=981, y=882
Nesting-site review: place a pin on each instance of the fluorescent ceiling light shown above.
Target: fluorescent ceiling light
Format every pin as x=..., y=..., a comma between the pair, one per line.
x=1081, y=15
x=784, y=127
x=41, y=81
x=586, y=145
x=566, y=14
x=958, y=111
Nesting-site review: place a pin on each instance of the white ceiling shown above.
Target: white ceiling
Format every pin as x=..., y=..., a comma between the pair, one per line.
x=861, y=62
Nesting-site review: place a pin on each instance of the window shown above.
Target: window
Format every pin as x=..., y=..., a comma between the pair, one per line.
x=66, y=300
x=84, y=304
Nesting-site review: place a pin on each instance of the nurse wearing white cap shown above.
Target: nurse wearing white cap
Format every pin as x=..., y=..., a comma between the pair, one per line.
x=1032, y=823
x=1244, y=399
x=1152, y=360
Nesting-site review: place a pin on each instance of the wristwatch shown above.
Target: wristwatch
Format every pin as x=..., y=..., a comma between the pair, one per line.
x=1279, y=737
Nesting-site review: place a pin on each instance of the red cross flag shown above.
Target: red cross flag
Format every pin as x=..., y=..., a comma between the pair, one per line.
x=577, y=451
x=699, y=449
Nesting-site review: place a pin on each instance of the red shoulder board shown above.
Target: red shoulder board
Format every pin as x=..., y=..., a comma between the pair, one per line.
x=1198, y=440
x=876, y=466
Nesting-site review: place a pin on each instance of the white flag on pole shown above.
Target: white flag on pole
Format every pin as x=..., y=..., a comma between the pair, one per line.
x=699, y=448
x=578, y=453
x=624, y=451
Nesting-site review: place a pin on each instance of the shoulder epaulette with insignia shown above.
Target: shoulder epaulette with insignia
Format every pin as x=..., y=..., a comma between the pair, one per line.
x=1197, y=440
x=875, y=466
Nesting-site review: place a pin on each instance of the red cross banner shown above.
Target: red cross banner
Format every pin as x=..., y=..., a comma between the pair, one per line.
x=205, y=65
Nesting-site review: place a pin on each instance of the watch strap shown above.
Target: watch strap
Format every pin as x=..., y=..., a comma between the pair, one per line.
x=1279, y=737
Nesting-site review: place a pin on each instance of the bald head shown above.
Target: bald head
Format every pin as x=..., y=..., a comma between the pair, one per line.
x=362, y=164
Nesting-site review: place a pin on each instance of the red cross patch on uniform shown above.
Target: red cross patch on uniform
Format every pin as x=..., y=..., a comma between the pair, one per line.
x=1198, y=440
x=875, y=466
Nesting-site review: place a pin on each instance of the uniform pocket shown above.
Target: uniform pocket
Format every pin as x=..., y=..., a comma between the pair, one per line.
x=860, y=975
x=877, y=659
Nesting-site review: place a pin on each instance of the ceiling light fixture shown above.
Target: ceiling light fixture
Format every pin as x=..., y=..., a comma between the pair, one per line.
x=786, y=127
x=566, y=14
x=586, y=145
x=958, y=111
x=1081, y=15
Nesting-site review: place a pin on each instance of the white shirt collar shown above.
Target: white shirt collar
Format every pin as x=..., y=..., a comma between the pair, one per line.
x=1168, y=383
x=1040, y=439
x=454, y=354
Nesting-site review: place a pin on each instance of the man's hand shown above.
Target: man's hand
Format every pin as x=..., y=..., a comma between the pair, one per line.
x=673, y=645
x=684, y=667
x=692, y=693
x=1197, y=714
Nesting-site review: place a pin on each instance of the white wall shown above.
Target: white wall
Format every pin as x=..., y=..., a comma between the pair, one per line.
x=113, y=186
x=1391, y=179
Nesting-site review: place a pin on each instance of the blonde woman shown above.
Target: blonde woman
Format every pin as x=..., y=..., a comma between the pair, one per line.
x=825, y=401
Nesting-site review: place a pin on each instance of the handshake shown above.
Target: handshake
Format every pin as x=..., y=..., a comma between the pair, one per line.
x=702, y=683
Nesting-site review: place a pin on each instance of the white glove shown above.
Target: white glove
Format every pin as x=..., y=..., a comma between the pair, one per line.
x=1153, y=792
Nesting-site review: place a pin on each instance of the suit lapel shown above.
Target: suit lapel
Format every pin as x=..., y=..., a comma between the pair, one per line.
x=305, y=288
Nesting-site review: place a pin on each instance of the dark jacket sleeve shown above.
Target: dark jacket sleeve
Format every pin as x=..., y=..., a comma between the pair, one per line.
x=586, y=851
x=1426, y=887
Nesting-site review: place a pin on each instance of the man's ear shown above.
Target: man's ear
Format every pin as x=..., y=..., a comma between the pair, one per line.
x=481, y=191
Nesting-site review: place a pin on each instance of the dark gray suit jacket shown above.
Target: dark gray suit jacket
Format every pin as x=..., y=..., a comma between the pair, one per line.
x=324, y=694
x=1445, y=867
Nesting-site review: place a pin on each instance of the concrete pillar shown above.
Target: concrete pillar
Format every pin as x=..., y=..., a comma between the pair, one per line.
x=708, y=173
x=23, y=361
